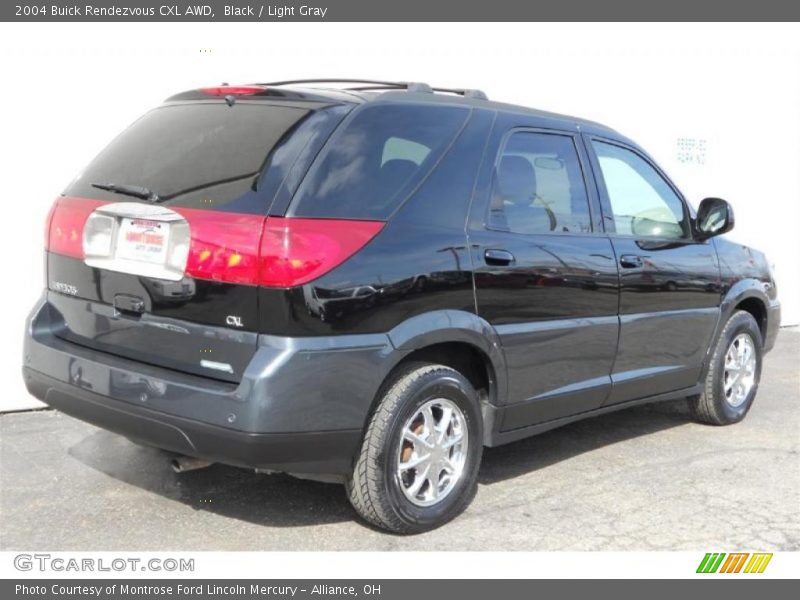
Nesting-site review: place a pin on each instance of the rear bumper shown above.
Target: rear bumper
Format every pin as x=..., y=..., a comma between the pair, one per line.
x=324, y=452
x=300, y=407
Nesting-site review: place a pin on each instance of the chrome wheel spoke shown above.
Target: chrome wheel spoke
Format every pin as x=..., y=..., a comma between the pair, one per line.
x=444, y=420
x=415, y=439
x=419, y=481
x=416, y=462
x=738, y=378
x=428, y=420
x=747, y=352
x=433, y=487
x=453, y=440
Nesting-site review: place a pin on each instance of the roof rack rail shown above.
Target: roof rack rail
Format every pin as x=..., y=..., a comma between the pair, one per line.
x=371, y=82
x=374, y=84
x=467, y=93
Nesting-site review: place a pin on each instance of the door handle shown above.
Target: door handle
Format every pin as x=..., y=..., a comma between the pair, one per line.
x=630, y=261
x=498, y=258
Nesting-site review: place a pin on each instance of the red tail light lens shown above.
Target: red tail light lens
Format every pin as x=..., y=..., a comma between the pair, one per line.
x=295, y=251
x=65, y=225
x=224, y=246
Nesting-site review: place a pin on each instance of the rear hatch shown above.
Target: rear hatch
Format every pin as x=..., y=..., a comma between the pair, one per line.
x=153, y=249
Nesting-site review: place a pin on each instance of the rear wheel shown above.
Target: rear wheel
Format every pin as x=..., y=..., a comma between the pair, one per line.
x=420, y=456
x=733, y=374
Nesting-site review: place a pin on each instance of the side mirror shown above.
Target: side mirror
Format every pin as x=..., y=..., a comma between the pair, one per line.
x=714, y=217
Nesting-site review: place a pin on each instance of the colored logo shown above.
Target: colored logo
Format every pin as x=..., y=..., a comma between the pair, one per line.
x=735, y=562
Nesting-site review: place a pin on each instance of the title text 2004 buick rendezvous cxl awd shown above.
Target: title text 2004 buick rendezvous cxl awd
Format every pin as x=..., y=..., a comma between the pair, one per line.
x=371, y=284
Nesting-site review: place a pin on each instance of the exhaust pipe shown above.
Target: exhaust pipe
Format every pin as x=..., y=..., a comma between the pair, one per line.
x=182, y=464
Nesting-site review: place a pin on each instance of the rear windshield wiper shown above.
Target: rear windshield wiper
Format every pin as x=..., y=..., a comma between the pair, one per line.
x=136, y=191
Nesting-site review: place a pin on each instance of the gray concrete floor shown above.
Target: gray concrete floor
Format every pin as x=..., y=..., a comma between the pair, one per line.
x=646, y=478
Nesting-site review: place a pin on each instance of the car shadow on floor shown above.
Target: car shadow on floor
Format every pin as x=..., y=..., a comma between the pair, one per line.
x=283, y=501
x=271, y=500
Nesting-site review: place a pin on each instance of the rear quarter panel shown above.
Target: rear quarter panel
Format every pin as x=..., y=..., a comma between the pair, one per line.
x=418, y=263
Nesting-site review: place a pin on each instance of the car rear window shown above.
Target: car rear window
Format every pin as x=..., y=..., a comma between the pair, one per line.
x=192, y=155
x=370, y=166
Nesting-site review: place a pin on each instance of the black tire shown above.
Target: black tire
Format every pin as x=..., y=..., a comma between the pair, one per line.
x=712, y=406
x=374, y=486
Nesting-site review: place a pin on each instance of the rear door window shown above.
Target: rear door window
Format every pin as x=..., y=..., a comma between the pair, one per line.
x=205, y=155
x=539, y=186
x=370, y=166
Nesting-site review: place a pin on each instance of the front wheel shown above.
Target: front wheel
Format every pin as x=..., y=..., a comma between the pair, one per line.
x=733, y=373
x=419, y=460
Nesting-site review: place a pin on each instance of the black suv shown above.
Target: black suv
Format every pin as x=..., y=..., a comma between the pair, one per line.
x=368, y=284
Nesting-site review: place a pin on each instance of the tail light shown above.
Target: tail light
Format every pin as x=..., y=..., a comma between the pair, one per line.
x=295, y=251
x=226, y=247
x=66, y=223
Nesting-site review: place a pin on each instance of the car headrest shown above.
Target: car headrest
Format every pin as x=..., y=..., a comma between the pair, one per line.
x=397, y=169
x=394, y=174
x=516, y=180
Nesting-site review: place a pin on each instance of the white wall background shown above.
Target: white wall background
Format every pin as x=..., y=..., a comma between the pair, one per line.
x=67, y=89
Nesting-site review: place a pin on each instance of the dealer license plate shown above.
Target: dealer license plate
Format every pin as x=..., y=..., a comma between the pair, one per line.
x=143, y=240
